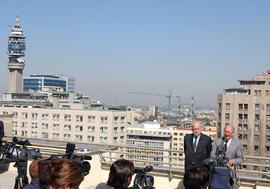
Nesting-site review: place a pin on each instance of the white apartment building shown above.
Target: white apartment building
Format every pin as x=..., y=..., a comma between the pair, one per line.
x=149, y=135
x=93, y=126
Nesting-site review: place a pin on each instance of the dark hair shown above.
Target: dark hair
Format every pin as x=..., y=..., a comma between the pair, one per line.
x=58, y=173
x=120, y=171
x=196, y=177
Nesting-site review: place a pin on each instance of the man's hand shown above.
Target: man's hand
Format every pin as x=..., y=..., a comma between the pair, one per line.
x=231, y=162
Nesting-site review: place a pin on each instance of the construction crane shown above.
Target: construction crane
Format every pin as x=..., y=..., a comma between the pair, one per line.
x=169, y=96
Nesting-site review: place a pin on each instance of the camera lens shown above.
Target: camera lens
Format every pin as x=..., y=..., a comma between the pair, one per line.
x=85, y=167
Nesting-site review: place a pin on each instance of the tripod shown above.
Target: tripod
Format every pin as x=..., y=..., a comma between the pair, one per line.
x=21, y=180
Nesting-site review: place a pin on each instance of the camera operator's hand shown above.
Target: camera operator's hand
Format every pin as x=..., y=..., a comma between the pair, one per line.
x=231, y=162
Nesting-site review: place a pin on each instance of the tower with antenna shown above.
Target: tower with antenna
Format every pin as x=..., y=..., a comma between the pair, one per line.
x=16, y=48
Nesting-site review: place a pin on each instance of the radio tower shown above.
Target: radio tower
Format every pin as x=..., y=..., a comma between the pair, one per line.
x=16, y=48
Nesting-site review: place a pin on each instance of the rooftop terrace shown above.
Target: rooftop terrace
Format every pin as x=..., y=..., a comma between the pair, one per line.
x=167, y=175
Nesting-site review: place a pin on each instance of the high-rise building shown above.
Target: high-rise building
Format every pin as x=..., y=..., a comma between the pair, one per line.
x=38, y=82
x=247, y=108
x=16, y=48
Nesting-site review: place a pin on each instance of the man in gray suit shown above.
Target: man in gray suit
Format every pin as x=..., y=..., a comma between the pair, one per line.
x=233, y=149
x=231, y=145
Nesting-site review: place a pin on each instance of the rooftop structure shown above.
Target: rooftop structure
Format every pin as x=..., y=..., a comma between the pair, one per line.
x=16, y=48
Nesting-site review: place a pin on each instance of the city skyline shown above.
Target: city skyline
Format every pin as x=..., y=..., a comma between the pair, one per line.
x=116, y=47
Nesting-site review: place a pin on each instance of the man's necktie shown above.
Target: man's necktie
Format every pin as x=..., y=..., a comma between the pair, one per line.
x=195, y=144
x=225, y=145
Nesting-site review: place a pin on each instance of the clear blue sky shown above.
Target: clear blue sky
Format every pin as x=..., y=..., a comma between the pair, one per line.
x=111, y=47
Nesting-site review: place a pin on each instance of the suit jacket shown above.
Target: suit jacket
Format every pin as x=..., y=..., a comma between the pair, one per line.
x=234, y=150
x=2, y=134
x=204, y=148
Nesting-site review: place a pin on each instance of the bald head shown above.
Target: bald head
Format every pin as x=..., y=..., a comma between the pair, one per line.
x=196, y=128
x=228, y=132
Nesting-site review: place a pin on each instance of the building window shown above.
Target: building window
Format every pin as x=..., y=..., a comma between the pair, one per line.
x=79, y=118
x=34, y=134
x=114, y=139
x=44, y=126
x=34, y=116
x=255, y=168
x=267, y=93
x=245, y=148
x=268, y=148
x=240, y=136
x=267, y=117
x=240, y=116
x=256, y=138
x=257, y=106
x=240, y=106
x=45, y=135
x=24, y=133
x=123, y=119
x=122, y=129
x=44, y=116
x=103, y=119
x=56, y=117
x=15, y=115
x=115, y=119
x=227, y=106
x=245, y=106
x=67, y=127
x=103, y=129
x=14, y=133
x=91, y=119
x=90, y=138
x=256, y=127
x=257, y=117
x=56, y=127
x=240, y=127
x=14, y=124
x=23, y=124
x=55, y=136
x=245, y=126
x=115, y=129
x=267, y=106
x=245, y=136
x=122, y=138
x=24, y=115
x=34, y=125
x=67, y=137
x=245, y=116
x=67, y=117
x=91, y=129
x=78, y=137
x=268, y=128
x=267, y=138
x=227, y=116
x=79, y=128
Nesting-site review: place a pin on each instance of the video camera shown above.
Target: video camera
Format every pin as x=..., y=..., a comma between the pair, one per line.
x=80, y=160
x=142, y=180
x=14, y=153
x=17, y=151
x=221, y=159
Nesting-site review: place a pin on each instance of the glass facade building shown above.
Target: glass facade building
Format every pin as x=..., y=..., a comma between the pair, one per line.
x=39, y=82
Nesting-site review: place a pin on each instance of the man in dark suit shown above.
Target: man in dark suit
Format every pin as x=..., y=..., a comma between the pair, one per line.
x=197, y=147
x=1, y=133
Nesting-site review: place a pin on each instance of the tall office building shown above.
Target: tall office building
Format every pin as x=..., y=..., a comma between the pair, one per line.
x=247, y=108
x=16, y=48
